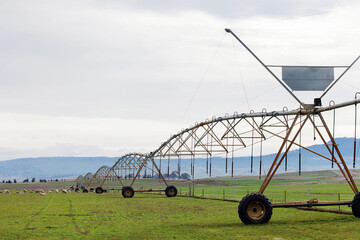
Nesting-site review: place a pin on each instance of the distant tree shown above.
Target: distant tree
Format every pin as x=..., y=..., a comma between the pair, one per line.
x=56, y=180
x=8, y=181
x=3, y=181
x=33, y=180
x=128, y=176
x=26, y=180
x=15, y=181
x=185, y=176
x=174, y=175
x=147, y=176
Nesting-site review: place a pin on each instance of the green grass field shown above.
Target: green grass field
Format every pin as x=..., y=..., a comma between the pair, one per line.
x=150, y=216
x=154, y=216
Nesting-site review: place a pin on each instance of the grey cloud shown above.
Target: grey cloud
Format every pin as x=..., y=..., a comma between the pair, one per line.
x=241, y=8
x=73, y=59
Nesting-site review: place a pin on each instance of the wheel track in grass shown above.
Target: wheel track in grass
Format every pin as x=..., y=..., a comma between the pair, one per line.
x=77, y=229
x=36, y=214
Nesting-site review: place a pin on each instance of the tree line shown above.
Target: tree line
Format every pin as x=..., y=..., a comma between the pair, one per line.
x=32, y=180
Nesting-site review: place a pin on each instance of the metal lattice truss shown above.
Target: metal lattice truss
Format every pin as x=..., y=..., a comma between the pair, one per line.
x=224, y=135
x=130, y=162
x=79, y=180
x=231, y=133
x=100, y=176
x=125, y=167
x=84, y=180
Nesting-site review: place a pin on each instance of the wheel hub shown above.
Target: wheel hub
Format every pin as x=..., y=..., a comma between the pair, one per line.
x=256, y=210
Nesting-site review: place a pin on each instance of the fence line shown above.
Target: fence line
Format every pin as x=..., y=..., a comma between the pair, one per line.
x=235, y=195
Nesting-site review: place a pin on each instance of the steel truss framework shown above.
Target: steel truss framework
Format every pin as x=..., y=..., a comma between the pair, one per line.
x=125, y=167
x=79, y=180
x=83, y=181
x=231, y=133
x=225, y=135
x=100, y=176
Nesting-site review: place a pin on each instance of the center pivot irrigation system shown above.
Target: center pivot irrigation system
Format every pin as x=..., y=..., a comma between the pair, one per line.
x=225, y=135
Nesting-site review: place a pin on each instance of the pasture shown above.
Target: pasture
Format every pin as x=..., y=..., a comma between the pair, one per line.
x=149, y=216
x=154, y=216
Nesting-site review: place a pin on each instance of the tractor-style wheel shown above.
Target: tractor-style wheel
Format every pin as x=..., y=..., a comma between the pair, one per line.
x=171, y=191
x=85, y=190
x=127, y=192
x=76, y=190
x=255, y=208
x=355, y=205
x=99, y=190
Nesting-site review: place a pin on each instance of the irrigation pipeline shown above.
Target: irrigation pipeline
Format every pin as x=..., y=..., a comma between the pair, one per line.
x=195, y=140
x=305, y=206
x=324, y=210
x=309, y=110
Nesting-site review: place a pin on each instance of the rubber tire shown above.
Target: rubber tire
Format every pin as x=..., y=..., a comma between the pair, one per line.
x=85, y=190
x=99, y=190
x=91, y=190
x=171, y=191
x=127, y=192
x=76, y=190
x=355, y=205
x=251, y=198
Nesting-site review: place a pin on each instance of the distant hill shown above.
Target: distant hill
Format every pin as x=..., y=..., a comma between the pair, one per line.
x=71, y=167
x=309, y=161
x=51, y=167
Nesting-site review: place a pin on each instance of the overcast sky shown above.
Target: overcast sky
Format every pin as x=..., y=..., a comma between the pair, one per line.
x=89, y=78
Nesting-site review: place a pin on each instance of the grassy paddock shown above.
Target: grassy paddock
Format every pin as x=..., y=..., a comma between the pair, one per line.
x=150, y=216
x=153, y=216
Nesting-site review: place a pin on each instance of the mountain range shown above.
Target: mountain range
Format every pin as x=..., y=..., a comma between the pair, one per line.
x=71, y=167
